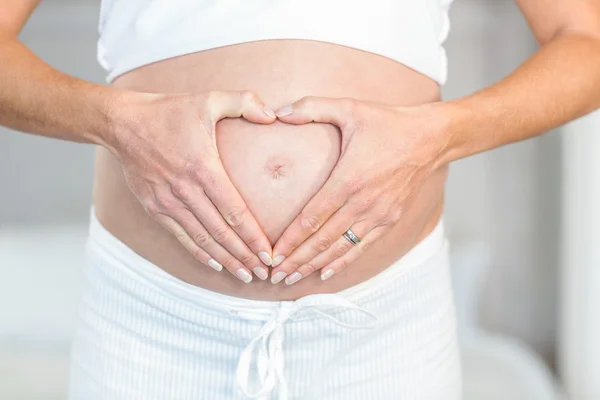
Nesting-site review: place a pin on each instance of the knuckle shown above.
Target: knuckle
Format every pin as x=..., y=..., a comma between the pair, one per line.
x=390, y=215
x=202, y=175
x=394, y=216
x=382, y=216
x=308, y=102
x=180, y=190
x=381, y=209
x=221, y=234
x=342, y=264
x=310, y=267
x=292, y=265
x=231, y=263
x=165, y=202
x=248, y=97
x=182, y=238
x=310, y=224
x=248, y=259
x=235, y=218
x=322, y=244
x=369, y=201
x=352, y=186
x=198, y=254
x=203, y=239
x=152, y=209
x=365, y=203
x=340, y=250
x=196, y=172
x=252, y=242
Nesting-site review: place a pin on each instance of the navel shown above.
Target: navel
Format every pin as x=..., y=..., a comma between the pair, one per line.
x=278, y=167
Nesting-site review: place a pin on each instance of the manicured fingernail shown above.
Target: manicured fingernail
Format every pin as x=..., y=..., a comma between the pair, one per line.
x=269, y=112
x=214, y=264
x=293, y=278
x=282, y=112
x=260, y=272
x=327, y=274
x=278, y=277
x=244, y=275
x=265, y=258
x=277, y=260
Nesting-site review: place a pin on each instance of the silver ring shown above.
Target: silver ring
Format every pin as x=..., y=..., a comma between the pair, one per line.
x=351, y=237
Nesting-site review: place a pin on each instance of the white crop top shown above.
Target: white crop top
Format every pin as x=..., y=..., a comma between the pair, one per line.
x=134, y=33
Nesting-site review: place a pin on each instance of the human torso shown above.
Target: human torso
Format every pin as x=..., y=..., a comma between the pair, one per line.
x=280, y=71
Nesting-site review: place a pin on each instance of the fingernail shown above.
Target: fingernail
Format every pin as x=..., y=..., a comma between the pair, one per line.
x=244, y=275
x=269, y=112
x=282, y=112
x=214, y=264
x=278, y=277
x=265, y=258
x=293, y=278
x=277, y=260
x=261, y=272
x=327, y=274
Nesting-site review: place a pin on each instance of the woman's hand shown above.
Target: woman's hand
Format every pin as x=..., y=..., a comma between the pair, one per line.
x=387, y=153
x=167, y=146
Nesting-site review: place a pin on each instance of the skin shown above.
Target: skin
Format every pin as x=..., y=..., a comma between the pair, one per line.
x=528, y=102
x=280, y=71
x=177, y=187
x=161, y=99
x=557, y=84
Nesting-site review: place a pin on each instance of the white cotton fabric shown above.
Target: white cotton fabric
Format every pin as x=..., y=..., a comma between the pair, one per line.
x=134, y=33
x=143, y=334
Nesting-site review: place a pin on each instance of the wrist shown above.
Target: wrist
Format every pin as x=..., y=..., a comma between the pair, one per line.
x=123, y=111
x=448, y=123
x=101, y=115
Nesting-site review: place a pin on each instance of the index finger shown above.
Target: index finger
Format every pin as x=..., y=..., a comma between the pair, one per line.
x=223, y=194
x=328, y=110
x=330, y=198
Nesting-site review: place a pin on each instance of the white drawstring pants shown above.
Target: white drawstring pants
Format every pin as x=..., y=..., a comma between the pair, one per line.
x=143, y=334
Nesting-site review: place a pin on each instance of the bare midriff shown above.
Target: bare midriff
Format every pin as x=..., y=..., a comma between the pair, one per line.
x=277, y=168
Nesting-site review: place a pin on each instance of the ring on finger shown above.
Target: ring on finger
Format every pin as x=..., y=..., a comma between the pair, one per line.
x=351, y=237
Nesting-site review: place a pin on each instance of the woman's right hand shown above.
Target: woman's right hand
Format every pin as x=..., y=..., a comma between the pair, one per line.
x=166, y=144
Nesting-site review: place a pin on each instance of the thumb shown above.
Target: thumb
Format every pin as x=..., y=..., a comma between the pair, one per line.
x=233, y=104
x=315, y=109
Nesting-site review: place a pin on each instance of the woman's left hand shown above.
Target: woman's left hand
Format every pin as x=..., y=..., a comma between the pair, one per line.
x=386, y=155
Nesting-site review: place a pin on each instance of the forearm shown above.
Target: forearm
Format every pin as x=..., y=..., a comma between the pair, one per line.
x=36, y=98
x=559, y=83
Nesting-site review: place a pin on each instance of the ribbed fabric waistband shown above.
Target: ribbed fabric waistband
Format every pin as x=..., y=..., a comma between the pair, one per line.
x=126, y=260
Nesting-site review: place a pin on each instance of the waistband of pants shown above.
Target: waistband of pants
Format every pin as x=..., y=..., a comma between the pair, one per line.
x=103, y=244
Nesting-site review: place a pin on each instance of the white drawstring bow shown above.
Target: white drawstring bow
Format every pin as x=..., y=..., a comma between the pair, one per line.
x=268, y=344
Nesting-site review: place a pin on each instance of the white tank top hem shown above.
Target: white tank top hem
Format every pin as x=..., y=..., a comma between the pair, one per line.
x=134, y=33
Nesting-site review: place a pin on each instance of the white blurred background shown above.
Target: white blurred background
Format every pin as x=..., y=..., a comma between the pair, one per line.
x=503, y=216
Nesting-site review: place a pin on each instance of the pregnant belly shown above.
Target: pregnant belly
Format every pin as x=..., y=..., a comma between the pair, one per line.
x=276, y=168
